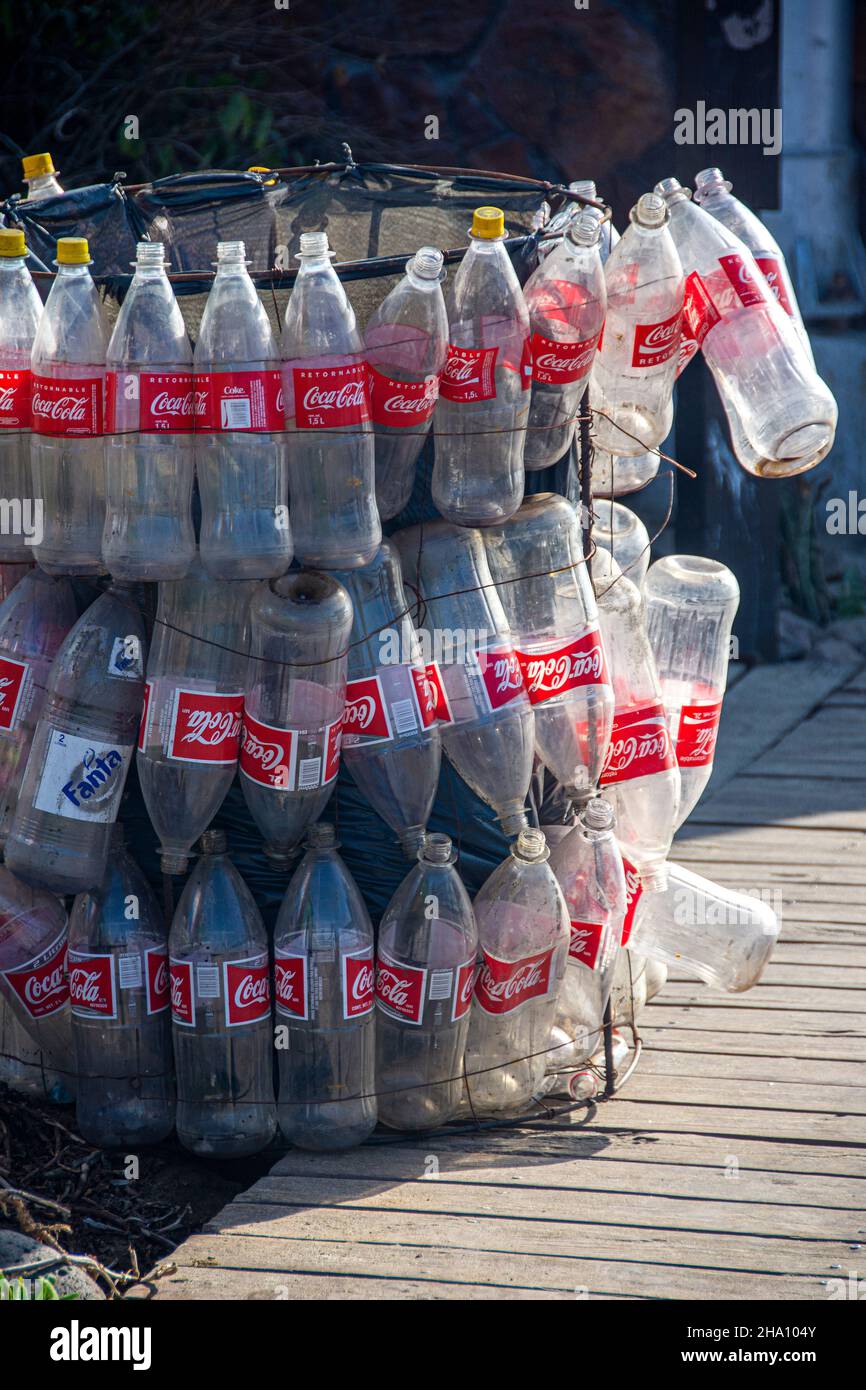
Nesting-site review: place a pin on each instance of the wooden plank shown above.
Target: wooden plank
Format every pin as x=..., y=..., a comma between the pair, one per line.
x=845, y=1103
x=658, y=1116
x=771, y=844
x=826, y=1002
x=782, y=1045
x=797, y=1022
x=792, y=1071
x=249, y=1285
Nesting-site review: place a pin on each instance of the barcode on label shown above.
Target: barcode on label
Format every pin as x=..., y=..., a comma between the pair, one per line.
x=235, y=414
x=403, y=712
x=129, y=971
x=309, y=773
x=440, y=984
x=207, y=981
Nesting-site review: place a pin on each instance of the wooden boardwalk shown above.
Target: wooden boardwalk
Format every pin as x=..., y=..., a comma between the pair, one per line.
x=734, y=1163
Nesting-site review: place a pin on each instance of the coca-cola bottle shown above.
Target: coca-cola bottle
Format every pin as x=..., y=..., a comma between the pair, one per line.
x=20, y=312
x=240, y=449
x=691, y=603
x=323, y=992
x=425, y=971
x=480, y=420
x=390, y=740
x=293, y=705
x=557, y=226
x=68, y=384
x=486, y=720
x=25, y=1068
x=406, y=340
x=119, y=998
x=640, y=777
x=82, y=749
x=617, y=477
x=536, y=561
x=221, y=1011
x=33, y=978
x=190, y=733
x=10, y=575
x=326, y=400
x=523, y=939
x=566, y=297
x=40, y=176
x=621, y=532
x=34, y=620
x=150, y=418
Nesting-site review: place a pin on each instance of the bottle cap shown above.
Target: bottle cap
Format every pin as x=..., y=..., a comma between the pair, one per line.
x=488, y=223
x=73, y=250
x=12, y=242
x=36, y=164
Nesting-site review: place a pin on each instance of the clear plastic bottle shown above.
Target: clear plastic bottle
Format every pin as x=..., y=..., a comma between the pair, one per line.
x=221, y=1011
x=391, y=741
x=691, y=603
x=407, y=346
x=480, y=420
x=25, y=1068
x=82, y=749
x=33, y=976
x=486, y=721
x=293, y=705
x=425, y=972
x=119, y=999
x=68, y=384
x=190, y=734
x=556, y=228
x=323, y=992
x=40, y=176
x=240, y=448
x=617, y=477
x=635, y=367
x=566, y=297
x=523, y=938
x=332, y=480
x=10, y=575
x=34, y=621
x=20, y=312
x=536, y=561
x=151, y=410
x=621, y=532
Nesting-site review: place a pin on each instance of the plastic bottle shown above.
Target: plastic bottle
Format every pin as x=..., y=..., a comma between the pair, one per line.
x=390, y=740
x=20, y=312
x=151, y=412
x=293, y=705
x=10, y=575
x=33, y=977
x=190, y=733
x=82, y=749
x=119, y=999
x=323, y=992
x=480, y=420
x=40, y=176
x=425, y=972
x=25, y=1068
x=240, y=448
x=621, y=532
x=406, y=341
x=221, y=1011
x=68, y=383
x=326, y=400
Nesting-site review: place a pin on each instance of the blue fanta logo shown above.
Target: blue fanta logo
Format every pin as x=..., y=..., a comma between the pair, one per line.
x=97, y=771
x=82, y=779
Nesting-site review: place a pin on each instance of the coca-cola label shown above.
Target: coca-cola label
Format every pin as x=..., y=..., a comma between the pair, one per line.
x=240, y=402
x=640, y=745
x=145, y=712
x=247, y=985
x=330, y=398
x=268, y=755
x=402, y=404
x=365, y=719
x=358, y=984
x=504, y=985
x=70, y=407
x=13, y=682
x=699, y=313
x=82, y=779
x=168, y=402
x=433, y=705
x=578, y=663
x=92, y=989
x=469, y=375
x=156, y=980
x=291, y=986
x=15, y=399
x=558, y=363
x=501, y=676
x=771, y=269
x=464, y=988
x=655, y=343
x=697, y=731
x=748, y=288
x=400, y=989
x=205, y=728
x=633, y=892
x=42, y=985
x=180, y=981
x=585, y=943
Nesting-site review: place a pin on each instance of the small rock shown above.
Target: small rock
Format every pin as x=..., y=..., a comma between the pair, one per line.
x=796, y=635
x=18, y=1249
x=832, y=650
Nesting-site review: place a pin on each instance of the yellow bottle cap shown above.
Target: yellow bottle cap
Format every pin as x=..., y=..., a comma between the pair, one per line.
x=488, y=223
x=258, y=169
x=12, y=242
x=73, y=250
x=36, y=164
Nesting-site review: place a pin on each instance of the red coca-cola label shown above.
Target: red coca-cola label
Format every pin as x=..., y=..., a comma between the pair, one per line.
x=585, y=944
x=433, y=703
x=180, y=981
x=156, y=980
x=699, y=313
x=13, y=677
x=42, y=985
x=400, y=989
x=333, y=745
x=640, y=745
x=247, y=990
x=168, y=402
x=749, y=289
x=504, y=985
x=402, y=404
x=655, y=343
x=558, y=363
x=330, y=398
x=501, y=675
x=291, y=986
x=15, y=399
x=240, y=402
x=268, y=755
x=464, y=989
x=548, y=674
x=71, y=407
x=92, y=989
x=697, y=732
x=633, y=892
x=469, y=375
x=365, y=719
x=359, y=978
x=205, y=728
x=145, y=711
x=771, y=269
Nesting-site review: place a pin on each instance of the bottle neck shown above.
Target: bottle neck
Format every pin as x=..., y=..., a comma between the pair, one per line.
x=13, y=265
x=43, y=186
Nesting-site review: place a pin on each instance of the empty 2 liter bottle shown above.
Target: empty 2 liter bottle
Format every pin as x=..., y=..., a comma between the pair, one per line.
x=20, y=312
x=33, y=973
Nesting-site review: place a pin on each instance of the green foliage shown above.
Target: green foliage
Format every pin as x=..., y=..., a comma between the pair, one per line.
x=40, y=1290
